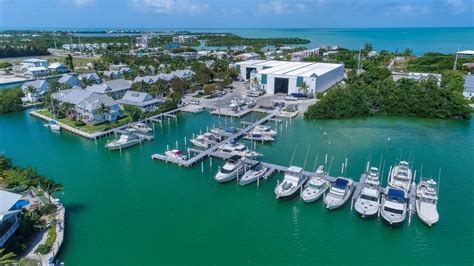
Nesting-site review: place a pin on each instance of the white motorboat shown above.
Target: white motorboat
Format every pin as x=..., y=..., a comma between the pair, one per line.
x=54, y=125
x=224, y=132
x=258, y=137
x=264, y=130
x=315, y=187
x=125, y=141
x=201, y=141
x=394, y=206
x=293, y=180
x=235, y=148
x=401, y=176
x=339, y=193
x=175, y=154
x=231, y=169
x=141, y=127
x=255, y=172
x=427, y=201
x=368, y=202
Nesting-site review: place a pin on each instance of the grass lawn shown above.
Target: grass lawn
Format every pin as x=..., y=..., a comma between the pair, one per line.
x=87, y=128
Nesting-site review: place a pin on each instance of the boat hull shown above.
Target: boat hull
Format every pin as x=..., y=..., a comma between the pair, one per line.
x=312, y=198
x=122, y=146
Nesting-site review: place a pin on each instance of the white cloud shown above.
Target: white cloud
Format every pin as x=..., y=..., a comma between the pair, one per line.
x=457, y=6
x=170, y=6
x=279, y=7
x=83, y=3
x=414, y=9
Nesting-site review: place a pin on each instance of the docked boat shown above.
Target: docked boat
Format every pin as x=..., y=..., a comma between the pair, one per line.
x=264, y=130
x=293, y=180
x=394, y=206
x=54, y=125
x=368, y=202
x=235, y=148
x=224, y=131
x=339, y=193
x=231, y=169
x=258, y=137
x=141, y=127
x=201, y=141
x=315, y=187
x=125, y=141
x=401, y=176
x=175, y=154
x=427, y=201
x=251, y=175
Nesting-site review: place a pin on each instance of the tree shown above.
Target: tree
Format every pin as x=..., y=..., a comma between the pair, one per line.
x=66, y=108
x=69, y=62
x=50, y=186
x=6, y=258
x=104, y=111
x=304, y=88
x=31, y=91
x=368, y=47
x=255, y=83
x=133, y=112
x=87, y=82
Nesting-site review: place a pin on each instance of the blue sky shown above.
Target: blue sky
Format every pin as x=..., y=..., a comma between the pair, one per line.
x=235, y=14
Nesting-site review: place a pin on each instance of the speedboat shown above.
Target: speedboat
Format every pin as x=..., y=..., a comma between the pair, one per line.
x=264, y=130
x=315, y=187
x=201, y=141
x=401, y=176
x=175, y=154
x=293, y=180
x=368, y=202
x=231, y=169
x=125, y=141
x=339, y=193
x=141, y=127
x=255, y=172
x=394, y=206
x=54, y=125
x=213, y=138
x=258, y=137
x=235, y=148
x=426, y=201
x=224, y=131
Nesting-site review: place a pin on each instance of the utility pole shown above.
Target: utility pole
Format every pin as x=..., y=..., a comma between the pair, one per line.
x=54, y=38
x=358, y=61
x=456, y=60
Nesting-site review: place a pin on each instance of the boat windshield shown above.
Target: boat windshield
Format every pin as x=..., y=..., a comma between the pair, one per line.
x=341, y=183
x=388, y=209
x=227, y=171
x=369, y=198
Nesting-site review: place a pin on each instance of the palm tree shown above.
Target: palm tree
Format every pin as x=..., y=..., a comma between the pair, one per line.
x=6, y=259
x=67, y=108
x=104, y=110
x=50, y=186
x=255, y=82
x=304, y=88
x=31, y=90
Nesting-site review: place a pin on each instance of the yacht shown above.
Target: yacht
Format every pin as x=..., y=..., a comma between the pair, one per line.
x=426, y=201
x=394, y=206
x=315, y=187
x=125, y=141
x=401, y=176
x=54, y=125
x=201, y=141
x=368, y=202
x=141, y=127
x=231, y=169
x=339, y=193
x=293, y=180
x=176, y=154
x=255, y=172
x=235, y=148
x=224, y=131
x=258, y=137
x=264, y=130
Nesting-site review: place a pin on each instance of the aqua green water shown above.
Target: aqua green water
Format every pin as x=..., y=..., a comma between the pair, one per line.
x=125, y=209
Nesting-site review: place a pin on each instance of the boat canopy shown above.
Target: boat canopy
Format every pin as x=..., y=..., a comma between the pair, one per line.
x=341, y=183
x=396, y=193
x=234, y=158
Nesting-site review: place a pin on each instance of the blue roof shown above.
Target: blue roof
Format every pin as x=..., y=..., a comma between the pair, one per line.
x=173, y=45
x=341, y=183
x=396, y=193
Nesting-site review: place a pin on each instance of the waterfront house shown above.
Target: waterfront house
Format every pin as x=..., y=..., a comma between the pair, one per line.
x=90, y=76
x=33, y=62
x=34, y=90
x=58, y=68
x=150, y=70
x=115, y=88
x=142, y=100
x=112, y=74
x=9, y=220
x=87, y=104
x=468, y=86
x=182, y=74
x=36, y=72
x=70, y=80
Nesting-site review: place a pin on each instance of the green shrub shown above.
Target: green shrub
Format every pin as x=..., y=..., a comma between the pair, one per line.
x=46, y=247
x=79, y=123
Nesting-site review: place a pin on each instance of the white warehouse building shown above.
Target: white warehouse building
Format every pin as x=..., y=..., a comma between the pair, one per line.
x=287, y=77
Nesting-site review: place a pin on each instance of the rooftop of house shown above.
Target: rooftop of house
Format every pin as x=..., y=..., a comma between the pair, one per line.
x=469, y=83
x=92, y=75
x=7, y=201
x=73, y=96
x=67, y=78
x=35, y=60
x=31, y=69
x=95, y=101
x=139, y=98
x=38, y=83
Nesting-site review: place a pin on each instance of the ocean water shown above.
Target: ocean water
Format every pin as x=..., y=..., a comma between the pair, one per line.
x=125, y=209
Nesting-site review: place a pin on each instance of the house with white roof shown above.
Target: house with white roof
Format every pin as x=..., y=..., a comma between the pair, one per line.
x=112, y=74
x=115, y=88
x=87, y=105
x=247, y=56
x=142, y=100
x=70, y=80
x=468, y=92
x=90, y=76
x=288, y=77
x=34, y=90
x=33, y=62
x=147, y=79
x=58, y=68
x=9, y=220
x=37, y=72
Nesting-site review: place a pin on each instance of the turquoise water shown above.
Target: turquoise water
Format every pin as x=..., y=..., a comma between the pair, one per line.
x=125, y=209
